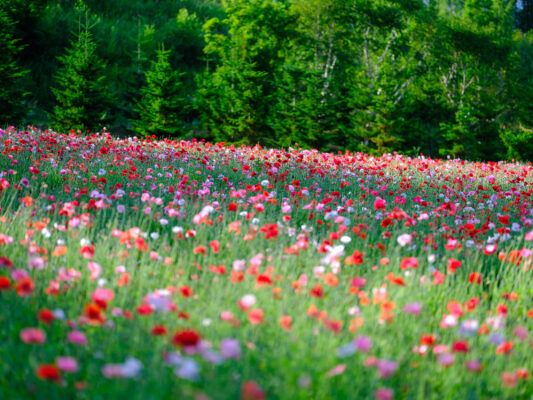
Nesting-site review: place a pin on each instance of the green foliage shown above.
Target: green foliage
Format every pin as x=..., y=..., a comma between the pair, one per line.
x=441, y=77
x=11, y=95
x=162, y=105
x=234, y=96
x=518, y=142
x=82, y=97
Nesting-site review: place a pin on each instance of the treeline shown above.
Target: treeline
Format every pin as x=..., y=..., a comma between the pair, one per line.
x=439, y=77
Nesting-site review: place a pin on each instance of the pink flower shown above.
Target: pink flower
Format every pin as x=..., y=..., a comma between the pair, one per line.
x=112, y=370
x=363, y=343
x=246, y=301
x=405, y=239
x=474, y=366
x=33, y=335
x=67, y=364
x=230, y=348
x=95, y=269
x=77, y=337
x=384, y=394
x=18, y=274
x=102, y=295
x=412, y=308
x=386, y=368
x=337, y=370
x=36, y=263
x=379, y=203
x=445, y=359
x=521, y=333
x=490, y=248
x=358, y=282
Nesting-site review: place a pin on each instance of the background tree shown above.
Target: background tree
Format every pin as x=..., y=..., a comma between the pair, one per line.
x=243, y=49
x=162, y=105
x=82, y=97
x=438, y=77
x=11, y=95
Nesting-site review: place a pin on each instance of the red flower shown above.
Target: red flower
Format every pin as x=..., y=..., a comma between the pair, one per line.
x=409, y=262
x=185, y=291
x=427, y=340
x=87, y=252
x=186, y=338
x=270, y=231
x=251, y=391
x=475, y=278
x=355, y=259
x=6, y=262
x=5, y=283
x=159, y=330
x=453, y=265
x=505, y=348
x=48, y=372
x=94, y=314
x=317, y=291
x=144, y=309
x=504, y=219
x=25, y=287
x=255, y=316
x=46, y=316
x=460, y=347
x=215, y=246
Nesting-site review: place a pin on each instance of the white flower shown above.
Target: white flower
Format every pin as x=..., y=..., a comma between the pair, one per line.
x=346, y=239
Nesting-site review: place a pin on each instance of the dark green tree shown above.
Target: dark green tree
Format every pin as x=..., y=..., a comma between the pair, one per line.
x=244, y=51
x=162, y=106
x=11, y=95
x=83, y=99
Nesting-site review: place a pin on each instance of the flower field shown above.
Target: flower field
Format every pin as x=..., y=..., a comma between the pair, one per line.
x=146, y=269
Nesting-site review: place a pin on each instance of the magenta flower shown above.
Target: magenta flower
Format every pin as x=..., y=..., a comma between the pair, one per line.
x=67, y=364
x=77, y=337
x=413, y=308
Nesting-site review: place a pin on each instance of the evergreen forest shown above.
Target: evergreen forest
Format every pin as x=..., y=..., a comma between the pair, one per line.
x=443, y=78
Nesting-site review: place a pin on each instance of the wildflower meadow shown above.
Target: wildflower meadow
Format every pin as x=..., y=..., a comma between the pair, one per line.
x=158, y=269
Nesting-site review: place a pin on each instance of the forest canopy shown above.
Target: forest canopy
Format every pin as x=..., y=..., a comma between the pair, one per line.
x=438, y=77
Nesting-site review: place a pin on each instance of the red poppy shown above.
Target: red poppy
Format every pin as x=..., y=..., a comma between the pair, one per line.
x=5, y=283
x=355, y=259
x=453, y=265
x=48, y=372
x=186, y=338
x=94, y=314
x=159, y=330
x=46, y=316
x=475, y=278
x=25, y=286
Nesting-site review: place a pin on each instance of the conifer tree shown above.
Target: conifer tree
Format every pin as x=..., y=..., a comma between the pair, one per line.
x=236, y=96
x=162, y=105
x=82, y=98
x=11, y=109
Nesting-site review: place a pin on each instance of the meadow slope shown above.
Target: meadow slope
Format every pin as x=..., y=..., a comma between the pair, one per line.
x=180, y=269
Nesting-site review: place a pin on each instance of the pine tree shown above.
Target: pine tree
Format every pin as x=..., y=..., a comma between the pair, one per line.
x=82, y=98
x=11, y=109
x=236, y=96
x=162, y=105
